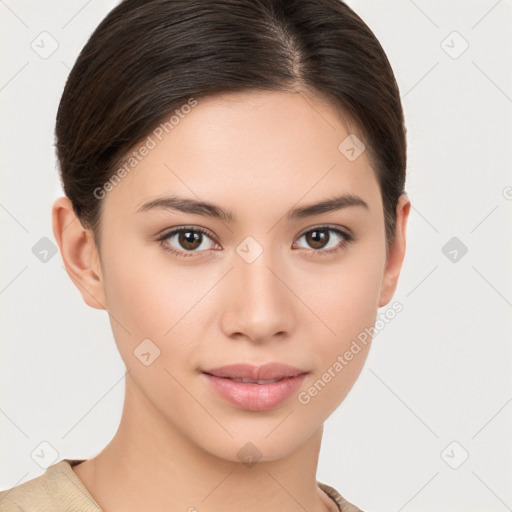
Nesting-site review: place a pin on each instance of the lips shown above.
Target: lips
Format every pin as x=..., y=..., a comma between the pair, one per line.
x=255, y=388
x=270, y=372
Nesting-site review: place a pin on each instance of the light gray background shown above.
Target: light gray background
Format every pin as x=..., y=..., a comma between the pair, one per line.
x=439, y=372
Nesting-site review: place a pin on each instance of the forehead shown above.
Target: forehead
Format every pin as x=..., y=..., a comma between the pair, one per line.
x=252, y=145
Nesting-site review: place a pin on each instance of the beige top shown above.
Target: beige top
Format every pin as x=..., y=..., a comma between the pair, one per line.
x=60, y=490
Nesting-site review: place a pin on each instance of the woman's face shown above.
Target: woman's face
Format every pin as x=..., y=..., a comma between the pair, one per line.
x=251, y=289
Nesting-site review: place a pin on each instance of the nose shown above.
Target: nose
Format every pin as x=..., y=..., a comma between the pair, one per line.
x=260, y=306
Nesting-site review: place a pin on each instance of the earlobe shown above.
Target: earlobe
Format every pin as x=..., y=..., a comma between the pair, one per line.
x=396, y=252
x=79, y=253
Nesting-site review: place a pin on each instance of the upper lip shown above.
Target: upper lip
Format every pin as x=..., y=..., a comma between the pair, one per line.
x=267, y=371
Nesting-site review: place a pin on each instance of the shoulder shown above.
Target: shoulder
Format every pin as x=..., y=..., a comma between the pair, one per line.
x=26, y=496
x=58, y=489
x=342, y=503
x=7, y=504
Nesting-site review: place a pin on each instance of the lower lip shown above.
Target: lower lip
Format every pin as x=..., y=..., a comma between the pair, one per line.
x=255, y=397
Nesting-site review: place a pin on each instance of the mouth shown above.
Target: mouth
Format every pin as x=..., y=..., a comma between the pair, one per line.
x=252, y=381
x=256, y=374
x=255, y=388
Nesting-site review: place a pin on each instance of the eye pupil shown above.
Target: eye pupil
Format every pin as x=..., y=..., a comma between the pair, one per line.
x=188, y=238
x=317, y=238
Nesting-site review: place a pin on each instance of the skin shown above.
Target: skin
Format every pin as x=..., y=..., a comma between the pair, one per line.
x=258, y=155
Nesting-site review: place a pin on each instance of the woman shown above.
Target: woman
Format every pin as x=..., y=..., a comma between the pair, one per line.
x=234, y=174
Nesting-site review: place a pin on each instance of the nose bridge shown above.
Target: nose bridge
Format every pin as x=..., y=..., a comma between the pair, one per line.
x=260, y=305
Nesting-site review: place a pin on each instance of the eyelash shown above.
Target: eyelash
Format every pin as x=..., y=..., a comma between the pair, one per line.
x=347, y=239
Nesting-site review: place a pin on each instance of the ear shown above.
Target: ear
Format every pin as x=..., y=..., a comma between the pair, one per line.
x=396, y=252
x=79, y=253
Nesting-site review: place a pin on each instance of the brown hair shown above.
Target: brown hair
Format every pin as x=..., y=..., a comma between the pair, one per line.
x=147, y=58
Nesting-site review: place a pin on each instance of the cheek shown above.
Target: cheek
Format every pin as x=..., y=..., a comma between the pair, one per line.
x=153, y=300
x=346, y=303
x=345, y=297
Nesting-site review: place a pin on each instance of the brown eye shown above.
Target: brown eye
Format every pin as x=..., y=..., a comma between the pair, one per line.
x=317, y=238
x=325, y=240
x=190, y=240
x=186, y=241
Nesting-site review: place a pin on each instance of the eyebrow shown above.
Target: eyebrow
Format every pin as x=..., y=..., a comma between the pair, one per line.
x=196, y=207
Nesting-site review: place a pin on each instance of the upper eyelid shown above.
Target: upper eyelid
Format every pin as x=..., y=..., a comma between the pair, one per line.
x=168, y=231
x=327, y=226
